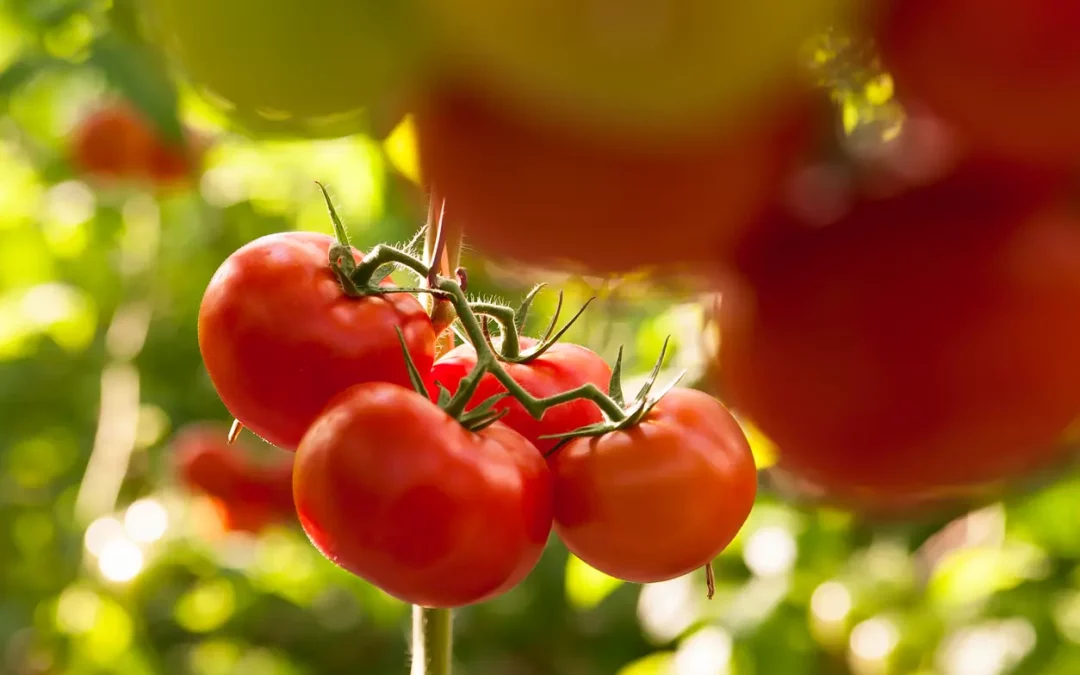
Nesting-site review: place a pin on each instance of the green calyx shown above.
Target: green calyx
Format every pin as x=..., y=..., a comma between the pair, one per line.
x=472, y=324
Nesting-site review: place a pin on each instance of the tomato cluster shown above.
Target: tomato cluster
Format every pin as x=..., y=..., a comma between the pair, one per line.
x=436, y=480
x=115, y=143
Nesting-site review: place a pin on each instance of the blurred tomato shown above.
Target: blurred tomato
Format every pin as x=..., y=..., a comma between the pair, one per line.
x=924, y=344
x=1005, y=73
x=635, y=68
x=296, y=68
x=116, y=143
x=543, y=194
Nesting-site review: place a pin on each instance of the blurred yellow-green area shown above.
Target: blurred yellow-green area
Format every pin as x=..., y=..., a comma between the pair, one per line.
x=105, y=565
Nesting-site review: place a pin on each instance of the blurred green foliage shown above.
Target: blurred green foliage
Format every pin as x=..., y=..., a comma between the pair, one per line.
x=105, y=566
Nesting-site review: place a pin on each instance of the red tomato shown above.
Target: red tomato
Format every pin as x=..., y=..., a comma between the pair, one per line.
x=1006, y=73
x=563, y=367
x=280, y=338
x=391, y=488
x=661, y=499
x=247, y=496
x=544, y=195
x=925, y=345
x=115, y=142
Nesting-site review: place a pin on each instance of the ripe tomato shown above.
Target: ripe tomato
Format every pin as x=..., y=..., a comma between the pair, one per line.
x=563, y=367
x=280, y=338
x=661, y=499
x=391, y=488
x=545, y=195
x=308, y=69
x=116, y=143
x=923, y=346
x=1007, y=74
x=659, y=67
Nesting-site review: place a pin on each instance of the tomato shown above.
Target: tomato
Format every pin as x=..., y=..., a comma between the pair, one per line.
x=563, y=367
x=541, y=194
x=1007, y=74
x=921, y=347
x=658, y=500
x=642, y=67
x=280, y=338
x=307, y=69
x=247, y=496
x=393, y=489
x=116, y=143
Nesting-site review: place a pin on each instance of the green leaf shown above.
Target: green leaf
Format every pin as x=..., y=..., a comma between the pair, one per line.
x=22, y=70
x=414, y=374
x=134, y=73
x=615, y=390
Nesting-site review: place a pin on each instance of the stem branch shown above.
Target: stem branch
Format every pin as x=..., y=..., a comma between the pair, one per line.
x=432, y=641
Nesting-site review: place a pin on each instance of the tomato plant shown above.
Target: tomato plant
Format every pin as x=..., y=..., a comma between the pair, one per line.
x=922, y=345
x=393, y=489
x=561, y=368
x=660, y=499
x=310, y=68
x=637, y=67
x=280, y=337
x=543, y=194
x=1007, y=74
x=115, y=143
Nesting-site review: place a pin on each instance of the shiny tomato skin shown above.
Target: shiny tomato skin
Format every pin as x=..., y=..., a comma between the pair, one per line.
x=543, y=194
x=280, y=338
x=1006, y=74
x=391, y=488
x=563, y=367
x=920, y=349
x=658, y=500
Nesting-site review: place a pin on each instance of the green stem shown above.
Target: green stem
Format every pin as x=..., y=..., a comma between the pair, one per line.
x=432, y=641
x=486, y=359
x=507, y=318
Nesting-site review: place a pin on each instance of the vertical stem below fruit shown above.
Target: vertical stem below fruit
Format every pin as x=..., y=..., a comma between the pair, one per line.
x=432, y=641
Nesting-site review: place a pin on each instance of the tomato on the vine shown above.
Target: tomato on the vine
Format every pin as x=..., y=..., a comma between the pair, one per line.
x=544, y=194
x=391, y=488
x=658, y=500
x=300, y=68
x=923, y=346
x=564, y=366
x=280, y=337
x=1006, y=74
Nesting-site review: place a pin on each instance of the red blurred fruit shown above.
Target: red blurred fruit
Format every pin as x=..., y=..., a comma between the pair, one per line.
x=923, y=346
x=545, y=195
x=563, y=367
x=393, y=489
x=116, y=143
x=280, y=337
x=1005, y=73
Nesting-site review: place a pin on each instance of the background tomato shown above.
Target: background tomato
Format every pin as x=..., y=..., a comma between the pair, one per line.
x=545, y=195
x=115, y=142
x=660, y=500
x=563, y=367
x=280, y=338
x=923, y=344
x=656, y=68
x=393, y=489
x=247, y=495
x=310, y=69
x=1007, y=74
